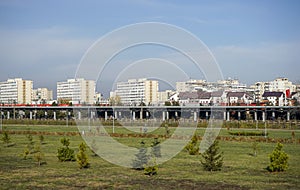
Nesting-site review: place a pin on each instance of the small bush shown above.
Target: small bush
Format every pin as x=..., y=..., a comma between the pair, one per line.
x=151, y=168
x=25, y=153
x=5, y=138
x=39, y=156
x=65, y=153
x=30, y=143
x=82, y=158
x=41, y=138
x=278, y=159
x=255, y=148
x=192, y=147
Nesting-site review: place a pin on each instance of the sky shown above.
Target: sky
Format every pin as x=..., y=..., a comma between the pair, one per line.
x=45, y=41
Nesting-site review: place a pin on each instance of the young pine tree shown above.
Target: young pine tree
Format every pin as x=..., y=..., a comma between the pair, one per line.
x=192, y=147
x=38, y=155
x=82, y=158
x=5, y=138
x=65, y=153
x=278, y=160
x=41, y=138
x=212, y=159
x=155, y=151
x=141, y=158
x=151, y=168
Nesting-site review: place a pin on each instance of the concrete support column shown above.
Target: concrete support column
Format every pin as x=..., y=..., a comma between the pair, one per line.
x=92, y=114
x=54, y=115
x=239, y=115
x=163, y=116
x=115, y=115
x=224, y=116
x=255, y=116
x=167, y=115
x=141, y=115
x=273, y=115
x=46, y=114
x=206, y=115
x=288, y=116
x=133, y=115
x=228, y=116
x=195, y=116
x=264, y=116
x=30, y=115
x=105, y=115
x=79, y=115
x=8, y=114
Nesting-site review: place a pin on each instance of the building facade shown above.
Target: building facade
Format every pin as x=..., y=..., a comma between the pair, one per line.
x=135, y=91
x=16, y=91
x=77, y=91
x=190, y=85
x=281, y=84
x=277, y=85
x=42, y=95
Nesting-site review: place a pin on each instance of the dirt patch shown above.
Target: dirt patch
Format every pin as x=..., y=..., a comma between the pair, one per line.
x=180, y=184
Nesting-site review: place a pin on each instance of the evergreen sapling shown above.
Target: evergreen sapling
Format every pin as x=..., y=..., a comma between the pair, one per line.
x=82, y=158
x=212, y=159
x=278, y=159
x=141, y=158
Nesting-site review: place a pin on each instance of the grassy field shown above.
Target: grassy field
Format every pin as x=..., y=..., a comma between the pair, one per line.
x=241, y=170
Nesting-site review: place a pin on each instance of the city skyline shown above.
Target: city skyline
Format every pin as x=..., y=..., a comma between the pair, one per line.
x=81, y=91
x=252, y=41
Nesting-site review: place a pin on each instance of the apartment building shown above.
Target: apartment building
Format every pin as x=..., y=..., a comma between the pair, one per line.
x=277, y=85
x=16, y=91
x=135, y=91
x=190, y=85
x=42, y=94
x=281, y=84
x=77, y=91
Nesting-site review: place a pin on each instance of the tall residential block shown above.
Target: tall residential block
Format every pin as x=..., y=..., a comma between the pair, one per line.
x=78, y=91
x=16, y=91
x=135, y=91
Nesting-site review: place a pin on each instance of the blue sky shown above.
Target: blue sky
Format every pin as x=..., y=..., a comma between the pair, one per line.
x=251, y=40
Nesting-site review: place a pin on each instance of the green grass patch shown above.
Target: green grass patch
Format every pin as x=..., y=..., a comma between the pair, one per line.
x=241, y=170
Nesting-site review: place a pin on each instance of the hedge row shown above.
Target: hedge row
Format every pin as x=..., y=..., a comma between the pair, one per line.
x=38, y=122
x=248, y=133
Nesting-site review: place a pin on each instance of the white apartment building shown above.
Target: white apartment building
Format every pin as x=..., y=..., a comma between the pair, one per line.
x=259, y=89
x=165, y=95
x=78, y=91
x=42, y=94
x=135, y=91
x=277, y=85
x=281, y=84
x=190, y=85
x=16, y=91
